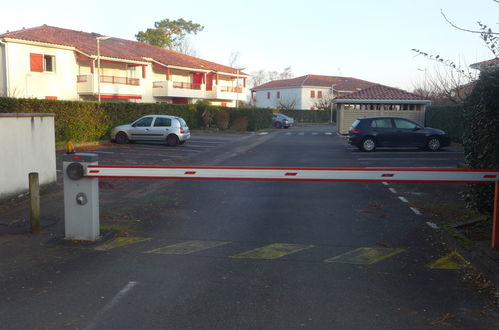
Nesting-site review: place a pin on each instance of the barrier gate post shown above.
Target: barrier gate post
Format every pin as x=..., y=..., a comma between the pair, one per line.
x=81, y=198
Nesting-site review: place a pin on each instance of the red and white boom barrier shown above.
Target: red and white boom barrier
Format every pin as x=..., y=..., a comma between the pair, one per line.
x=294, y=174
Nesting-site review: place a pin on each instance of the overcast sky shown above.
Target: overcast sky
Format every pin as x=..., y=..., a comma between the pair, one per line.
x=365, y=39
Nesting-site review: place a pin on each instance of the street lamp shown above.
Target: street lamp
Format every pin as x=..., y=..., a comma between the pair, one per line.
x=98, y=64
x=332, y=97
x=237, y=85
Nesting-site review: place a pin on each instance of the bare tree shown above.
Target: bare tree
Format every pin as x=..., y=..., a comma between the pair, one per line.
x=233, y=59
x=185, y=47
x=261, y=76
x=286, y=73
x=288, y=103
x=324, y=102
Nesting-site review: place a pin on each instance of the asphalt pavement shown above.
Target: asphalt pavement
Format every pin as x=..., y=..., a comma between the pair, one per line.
x=188, y=254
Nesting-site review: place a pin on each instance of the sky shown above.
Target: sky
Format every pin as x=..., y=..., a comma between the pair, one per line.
x=365, y=39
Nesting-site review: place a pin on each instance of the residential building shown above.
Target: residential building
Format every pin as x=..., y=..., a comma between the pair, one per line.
x=487, y=65
x=308, y=92
x=48, y=62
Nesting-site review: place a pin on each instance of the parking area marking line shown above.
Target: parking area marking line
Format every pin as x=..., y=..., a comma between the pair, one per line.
x=365, y=255
x=301, y=133
x=188, y=247
x=120, y=242
x=416, y=211
x=263, y=133
x=392, y=190
x=328, y=133
x=288, y=133
x=402, y=198
x=272, y=251
x=452, y=261
x=385, y=183
x=119, y=296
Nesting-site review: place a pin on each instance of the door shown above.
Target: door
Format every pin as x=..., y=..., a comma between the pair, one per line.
x=409, y=133
x=141, y=129
x=161, y=128
x=383, y=131
x=197, y=80
x=209, y=81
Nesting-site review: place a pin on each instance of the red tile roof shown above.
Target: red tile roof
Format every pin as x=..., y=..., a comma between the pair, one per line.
x=113, y=47
x=484, y=64
x=341, y=84
x=381, y=92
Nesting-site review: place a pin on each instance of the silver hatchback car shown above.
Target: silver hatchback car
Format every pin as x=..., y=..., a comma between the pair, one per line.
x=172, y=130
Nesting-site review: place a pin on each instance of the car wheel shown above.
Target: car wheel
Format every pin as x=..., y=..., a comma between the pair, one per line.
x=172, y=140
x=121, y=138
x=368, y=144
x=433, y=143
x=277, y=124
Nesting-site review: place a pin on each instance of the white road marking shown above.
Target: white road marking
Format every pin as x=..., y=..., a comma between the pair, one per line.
x=415, y=210
x=328, y=133
x=385, y=183
x=392, y=190
x=301, y=133
x=263, y=133
x=403, y=199
x=314, y=133
x=288, y=133
x=433, y=225
x=112, y=303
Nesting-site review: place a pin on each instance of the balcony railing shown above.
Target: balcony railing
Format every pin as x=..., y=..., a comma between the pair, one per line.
x=111, y=80
x=185, y=85
x=231, y=89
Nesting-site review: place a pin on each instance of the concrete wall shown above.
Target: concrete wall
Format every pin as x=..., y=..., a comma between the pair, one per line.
x=28, y=145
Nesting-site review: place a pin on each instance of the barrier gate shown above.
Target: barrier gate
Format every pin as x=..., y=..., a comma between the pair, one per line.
x=81, y=185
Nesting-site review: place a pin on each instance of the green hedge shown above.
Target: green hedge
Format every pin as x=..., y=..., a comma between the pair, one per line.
x=310, y=116
x=88, y=121
x=449, y=118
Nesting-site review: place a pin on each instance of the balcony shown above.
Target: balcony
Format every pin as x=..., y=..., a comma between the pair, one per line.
x=109, y=85
x=178, y=89
x=226, y=93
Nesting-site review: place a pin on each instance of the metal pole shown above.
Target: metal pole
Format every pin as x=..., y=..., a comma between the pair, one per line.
x=495, y=218
x=332, y=97
x=98, y=69
x=34, y=202
x=237, y=90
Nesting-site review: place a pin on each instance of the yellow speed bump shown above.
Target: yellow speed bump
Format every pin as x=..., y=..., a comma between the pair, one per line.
x=188, y=247
x=365, y=255
x=121, y=241
x=451, y=261
x=272, y=251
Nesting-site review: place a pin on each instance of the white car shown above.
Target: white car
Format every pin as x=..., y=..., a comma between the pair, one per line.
x=172, y=130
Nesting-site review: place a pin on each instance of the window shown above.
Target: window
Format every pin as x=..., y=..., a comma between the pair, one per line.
x=401, y=123
x=278, y=95
x=319, y=94
x=268, y=95
x=162, y=122
x=382, y=123
x=41, y=63
x=312, y=94
x=143, y=122
x=48, y=63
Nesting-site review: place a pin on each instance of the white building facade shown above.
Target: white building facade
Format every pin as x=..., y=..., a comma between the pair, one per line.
x=53, y=63
x=310, y=92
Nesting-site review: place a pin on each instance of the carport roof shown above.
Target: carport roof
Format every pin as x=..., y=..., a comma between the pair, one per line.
x=381, y=94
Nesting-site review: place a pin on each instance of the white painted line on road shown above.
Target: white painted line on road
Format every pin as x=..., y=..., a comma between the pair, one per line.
x=415, y=210
x=301, y=133
x=432, y=225
x=263, y=133
x=385, y=183
x=403, y=199
x=328, y=133
x=392, y=190
x=120, y=295
x=288, y=133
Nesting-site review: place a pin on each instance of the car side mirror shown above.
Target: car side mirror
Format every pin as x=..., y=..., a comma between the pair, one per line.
x=417, y=128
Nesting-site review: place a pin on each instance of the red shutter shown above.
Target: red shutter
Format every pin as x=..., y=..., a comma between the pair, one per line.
x=143, y=72
x=36, y=62
x=319, y=94
x=312, y=94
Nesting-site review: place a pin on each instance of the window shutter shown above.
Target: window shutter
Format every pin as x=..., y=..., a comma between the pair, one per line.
x=36, y=62
x=312, y=94
x=319, y=94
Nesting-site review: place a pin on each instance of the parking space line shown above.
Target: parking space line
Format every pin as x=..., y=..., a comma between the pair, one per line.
x=120, y=242
x=272, y=251
x=402, y=198
x=416, y=211
x=392, y=190
x=365, y=256
x=188, y=247
x=452, y=261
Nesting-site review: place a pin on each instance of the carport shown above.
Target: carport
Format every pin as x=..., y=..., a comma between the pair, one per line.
x=379, y=100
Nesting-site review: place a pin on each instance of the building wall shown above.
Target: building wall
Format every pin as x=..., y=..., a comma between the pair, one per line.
x=28, y=145
x=3, y=71
x=287, y=96
x=309, y=102
x=27, y=84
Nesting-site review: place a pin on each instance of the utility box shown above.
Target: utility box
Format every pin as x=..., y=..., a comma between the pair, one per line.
x=81, y=198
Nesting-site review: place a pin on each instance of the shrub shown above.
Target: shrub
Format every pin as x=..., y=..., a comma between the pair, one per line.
x=240, y=124
x=448, y=118
x=310, y=116
x=222, y=118
x=481, y=137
